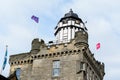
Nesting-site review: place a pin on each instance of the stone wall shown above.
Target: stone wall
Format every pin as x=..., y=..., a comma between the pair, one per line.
x=76, y=61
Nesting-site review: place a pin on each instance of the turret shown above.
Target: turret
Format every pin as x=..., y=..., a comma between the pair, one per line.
x=36, y=45
x=67, y=26
x=81, y=39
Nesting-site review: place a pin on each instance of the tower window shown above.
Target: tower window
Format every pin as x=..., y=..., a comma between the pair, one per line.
x=64, y=21
x=82, y=66
x=56, y=68
x=77, y=22
x=18, y=72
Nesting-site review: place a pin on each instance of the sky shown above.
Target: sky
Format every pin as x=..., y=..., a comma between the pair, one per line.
x=17, y=29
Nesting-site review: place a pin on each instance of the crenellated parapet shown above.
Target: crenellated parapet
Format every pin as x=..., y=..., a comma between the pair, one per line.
x=14, y=60
x=20, y=59
x=40, y=50
x=81, y=39
x=96, y=65
x=37, y=45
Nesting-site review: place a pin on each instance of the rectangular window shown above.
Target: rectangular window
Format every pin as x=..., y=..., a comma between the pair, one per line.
x=64, y=21
x=56, y=68
x=82, y=66
x=65, y=35
x=77, y=22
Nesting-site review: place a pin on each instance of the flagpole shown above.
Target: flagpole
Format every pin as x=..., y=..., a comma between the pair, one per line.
x=4, y=60
x=36, y=19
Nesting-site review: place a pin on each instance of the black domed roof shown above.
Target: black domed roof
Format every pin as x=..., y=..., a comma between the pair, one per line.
x=71, y=14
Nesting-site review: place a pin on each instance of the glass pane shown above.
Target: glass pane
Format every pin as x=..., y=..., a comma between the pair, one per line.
x=56, y=72
x=18, y=72
x=81, y=65
x=56, y=64
x=77, y=22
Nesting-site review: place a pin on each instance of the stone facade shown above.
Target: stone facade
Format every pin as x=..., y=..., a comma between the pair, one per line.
x=74, y=61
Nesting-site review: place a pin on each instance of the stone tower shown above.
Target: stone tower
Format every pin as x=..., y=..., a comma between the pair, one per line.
x=68, y=58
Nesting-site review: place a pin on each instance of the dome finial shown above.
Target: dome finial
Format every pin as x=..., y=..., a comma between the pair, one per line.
x=71, y=10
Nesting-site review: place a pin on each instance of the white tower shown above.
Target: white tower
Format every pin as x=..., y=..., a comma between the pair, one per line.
x=67, y=26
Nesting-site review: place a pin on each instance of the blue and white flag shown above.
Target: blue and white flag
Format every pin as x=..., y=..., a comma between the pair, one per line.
x=36, y=19
x=5, y=59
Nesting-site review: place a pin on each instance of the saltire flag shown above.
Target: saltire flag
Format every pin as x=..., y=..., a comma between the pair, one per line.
x=97, y=46
x=36, y=19
x=5, y=59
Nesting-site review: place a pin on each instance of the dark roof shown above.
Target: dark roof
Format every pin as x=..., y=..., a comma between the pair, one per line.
x=71, y=14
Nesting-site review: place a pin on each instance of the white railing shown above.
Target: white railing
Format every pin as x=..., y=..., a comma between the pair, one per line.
x=55, y=42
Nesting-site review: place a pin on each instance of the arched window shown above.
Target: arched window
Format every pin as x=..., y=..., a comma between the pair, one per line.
x=18, y=72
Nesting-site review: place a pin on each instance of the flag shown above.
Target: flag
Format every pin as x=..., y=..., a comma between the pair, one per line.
x=36, y=19
x=5, y=59
x=97, y=46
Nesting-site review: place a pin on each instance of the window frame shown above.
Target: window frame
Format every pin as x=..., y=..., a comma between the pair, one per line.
x=18, y=74
x=56, y=68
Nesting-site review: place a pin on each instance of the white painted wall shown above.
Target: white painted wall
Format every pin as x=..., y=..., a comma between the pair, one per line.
x=68, y=33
